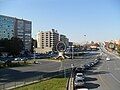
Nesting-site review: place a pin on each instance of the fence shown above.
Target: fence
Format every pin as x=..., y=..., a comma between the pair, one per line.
x=38, y=78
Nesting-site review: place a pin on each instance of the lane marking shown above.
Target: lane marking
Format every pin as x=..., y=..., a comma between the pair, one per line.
x=114, y=78
x=104, y=84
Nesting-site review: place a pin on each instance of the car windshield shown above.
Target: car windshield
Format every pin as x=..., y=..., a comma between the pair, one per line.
x=79, y=75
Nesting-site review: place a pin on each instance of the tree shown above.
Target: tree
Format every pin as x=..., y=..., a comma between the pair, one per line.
x=13, y=46
x=4, y=45
x=118, y=49
x=16, y=46
x=33, y=43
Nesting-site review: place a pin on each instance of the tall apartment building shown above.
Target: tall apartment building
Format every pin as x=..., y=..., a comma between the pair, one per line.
x=47, y=41
x=14, y=27
x=64, y=39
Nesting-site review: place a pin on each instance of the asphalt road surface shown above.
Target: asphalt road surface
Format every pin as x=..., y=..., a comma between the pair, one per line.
x=10, y=75
x=106, y=75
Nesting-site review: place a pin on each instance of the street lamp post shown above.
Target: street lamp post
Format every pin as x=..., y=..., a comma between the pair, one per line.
x=72, y=52
x=34, y=53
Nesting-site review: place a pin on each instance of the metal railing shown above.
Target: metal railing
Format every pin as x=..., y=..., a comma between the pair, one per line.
x=28, y=81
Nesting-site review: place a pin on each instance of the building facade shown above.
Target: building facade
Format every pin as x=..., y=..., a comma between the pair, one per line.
x=14, y=27
x=47, y=41
x=64, y=39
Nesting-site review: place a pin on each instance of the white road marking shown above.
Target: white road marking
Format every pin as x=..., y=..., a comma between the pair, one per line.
x=114, y=78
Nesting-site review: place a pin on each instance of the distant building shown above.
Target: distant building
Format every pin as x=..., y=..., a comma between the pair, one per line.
x=14, y=27
x=64, y=39
x=70, y=43
x=117, y=42
x=47, y=41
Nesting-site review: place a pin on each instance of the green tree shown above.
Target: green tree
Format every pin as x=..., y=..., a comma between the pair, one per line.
x=118, y=49
x=4, y=45
x=16, y=46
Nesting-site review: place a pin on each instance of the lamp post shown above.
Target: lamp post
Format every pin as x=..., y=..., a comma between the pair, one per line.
x=72, y=52
x=34, y=53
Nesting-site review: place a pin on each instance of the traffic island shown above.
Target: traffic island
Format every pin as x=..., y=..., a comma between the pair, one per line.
x=56, y=83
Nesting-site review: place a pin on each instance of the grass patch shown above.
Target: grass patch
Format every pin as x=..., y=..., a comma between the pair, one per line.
x=57, y=83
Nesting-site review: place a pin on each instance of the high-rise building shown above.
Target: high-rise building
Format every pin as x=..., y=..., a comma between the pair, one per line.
x=14, y=27
x=64, y=39
x=47, y=41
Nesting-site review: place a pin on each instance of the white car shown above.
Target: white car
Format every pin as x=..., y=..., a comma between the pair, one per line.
x=80, y=76
x=79, y=83
x=108, y=59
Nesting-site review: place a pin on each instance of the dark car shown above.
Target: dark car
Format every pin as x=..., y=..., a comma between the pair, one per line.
x=86, y=66
x=79, y=70
x=96, y=61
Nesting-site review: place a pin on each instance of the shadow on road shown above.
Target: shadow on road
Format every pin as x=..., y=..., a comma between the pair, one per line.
x=90, y=79
x=10, y=75
x=92, y=85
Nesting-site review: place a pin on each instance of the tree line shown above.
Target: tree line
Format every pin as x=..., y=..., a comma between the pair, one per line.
x=118, y=49
x=12, y=46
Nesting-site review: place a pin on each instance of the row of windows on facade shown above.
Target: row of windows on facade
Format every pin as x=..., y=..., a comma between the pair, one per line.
x=6, y=30
x=5, y=36
x=47, y=46
x=4, y=25
x=19, y=26
x=49, y=35
x=48, y=38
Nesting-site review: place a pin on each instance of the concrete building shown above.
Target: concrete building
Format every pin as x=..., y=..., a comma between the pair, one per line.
x=47, y=41
x=14, y=27
x=64, y=39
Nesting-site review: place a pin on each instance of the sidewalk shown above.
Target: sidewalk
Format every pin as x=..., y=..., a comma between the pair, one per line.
x=70, y=87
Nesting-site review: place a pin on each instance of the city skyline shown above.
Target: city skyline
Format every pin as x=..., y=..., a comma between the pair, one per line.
x=80, y=20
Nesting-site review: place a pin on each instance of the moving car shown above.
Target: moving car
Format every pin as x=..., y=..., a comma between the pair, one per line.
x=108, y=59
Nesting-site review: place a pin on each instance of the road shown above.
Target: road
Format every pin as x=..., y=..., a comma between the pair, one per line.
x=106, y=75
x=11, y=75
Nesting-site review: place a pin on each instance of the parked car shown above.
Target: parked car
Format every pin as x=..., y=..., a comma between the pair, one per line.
x=91, y=64
x=96, y=61
x=80, y=76
x=86, y=66
x=79, y=83
x=79, y=70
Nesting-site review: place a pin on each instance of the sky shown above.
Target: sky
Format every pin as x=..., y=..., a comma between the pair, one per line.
x=79, y=20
